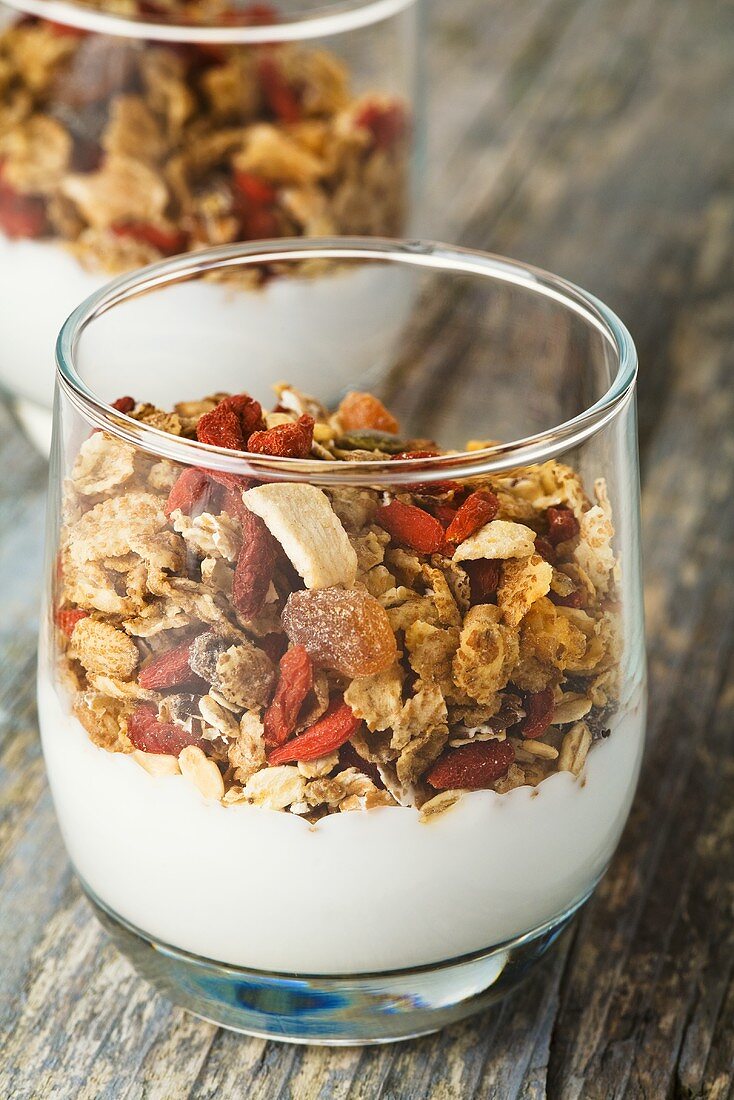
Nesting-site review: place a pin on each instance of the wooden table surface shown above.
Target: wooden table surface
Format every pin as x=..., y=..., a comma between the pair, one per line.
x=596, y=138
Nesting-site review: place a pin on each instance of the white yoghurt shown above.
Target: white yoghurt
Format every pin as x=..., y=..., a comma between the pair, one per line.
x=357, y=892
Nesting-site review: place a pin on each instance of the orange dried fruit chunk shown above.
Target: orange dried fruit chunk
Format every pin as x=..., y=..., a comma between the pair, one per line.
x=345, y=630
x=363, y=410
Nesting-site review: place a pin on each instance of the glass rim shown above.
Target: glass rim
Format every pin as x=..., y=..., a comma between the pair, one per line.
x=526, y=451
x=327, y=18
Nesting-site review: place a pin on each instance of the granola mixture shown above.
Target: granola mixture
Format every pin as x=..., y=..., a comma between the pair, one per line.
x=128, y=151
x=328, y=650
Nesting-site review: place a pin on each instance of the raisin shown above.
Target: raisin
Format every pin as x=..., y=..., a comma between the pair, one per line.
x=484, y=578
x=562, y=525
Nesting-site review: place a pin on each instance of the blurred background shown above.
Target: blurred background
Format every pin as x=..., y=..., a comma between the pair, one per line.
x=594, y=138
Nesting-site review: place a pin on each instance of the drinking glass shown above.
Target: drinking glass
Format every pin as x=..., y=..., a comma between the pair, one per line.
x=342, y=686
x=134, y=131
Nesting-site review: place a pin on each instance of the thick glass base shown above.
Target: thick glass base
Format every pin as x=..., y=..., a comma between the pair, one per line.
x=334, y=1011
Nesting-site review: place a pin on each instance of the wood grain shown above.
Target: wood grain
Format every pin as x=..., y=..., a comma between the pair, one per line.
x=596, y=138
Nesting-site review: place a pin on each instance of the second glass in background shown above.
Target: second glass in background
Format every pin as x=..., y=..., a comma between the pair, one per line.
x=133, y=132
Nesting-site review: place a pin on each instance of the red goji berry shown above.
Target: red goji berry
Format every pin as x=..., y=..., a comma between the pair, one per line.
x=192, y=488
x=428, y=486
x=167, y=670
x=411, y=526
x=562, y=525
x=166, y=241
x=255, y=565
x=254, y=188
x=539, y=708
x=471, y=767
x=444, y=513
x=478, y=508
x=124, y=404
x=148, y=734
x=329, y=733
x=248, y=410
x=279, y=95
x=294, y=684
x=221, y=428
x=67, y=618
x=292, y=440
x=21, y=215
x=387, y=123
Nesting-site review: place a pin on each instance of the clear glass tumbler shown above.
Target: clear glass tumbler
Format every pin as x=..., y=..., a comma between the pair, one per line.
x=341, y=683
x=135, y=130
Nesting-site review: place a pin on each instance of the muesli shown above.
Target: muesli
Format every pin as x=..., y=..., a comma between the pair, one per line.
x=129, y=150
x=319, y=650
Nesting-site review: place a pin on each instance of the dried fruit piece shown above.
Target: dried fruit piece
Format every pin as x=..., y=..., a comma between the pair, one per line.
x=21, y=215
x=364, y=410
x=326, y=735
x=545, y=549
x=191, y=492
x=67, y=618
x=478, y=508
x=539, y=708
x=221, y=428
x=444, y=513
x=346, y=630
x=471, y=767
x=292, y=440
x=411, y=526
x=249, y=412
x=167, y=670
x=484, y=578
x=168, y=241
x=255, y=565
x=296, y=680
x=429, y=486
x=124, y=404
x=279, y=95
x=573, y=599
x=150, y=735
x=254, y=188
x=303, y=521
x=562, y=525
x=386, y=122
